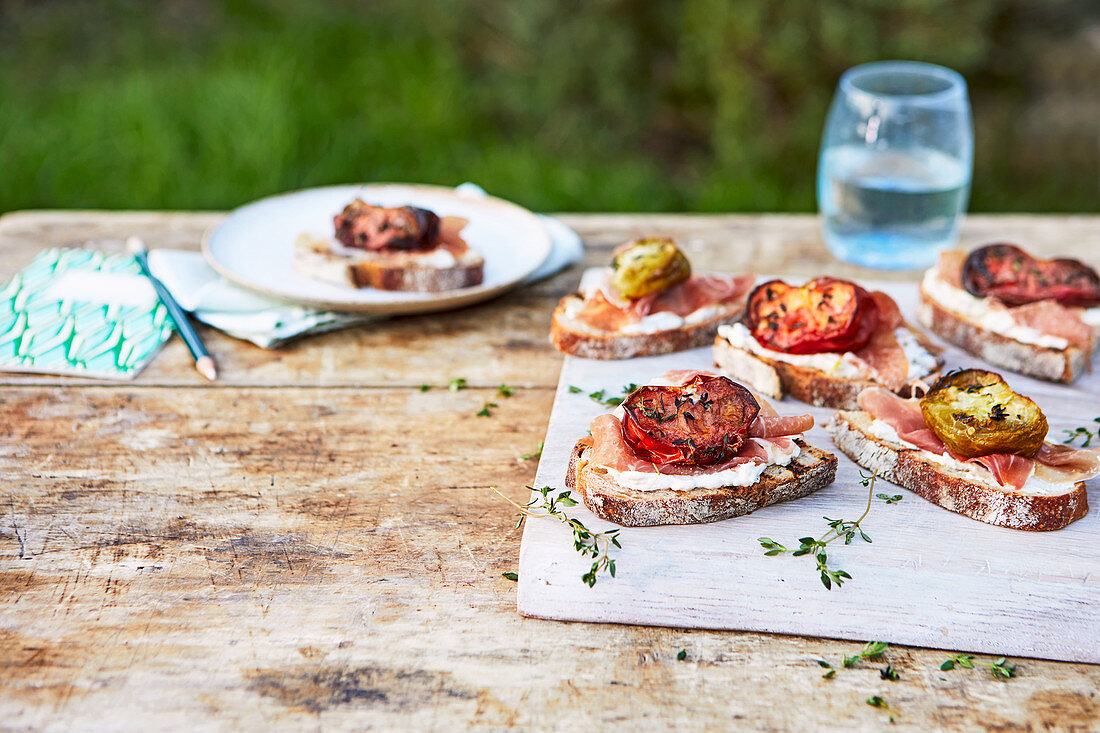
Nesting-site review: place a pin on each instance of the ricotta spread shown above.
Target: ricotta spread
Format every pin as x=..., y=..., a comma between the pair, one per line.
x=1034, y=486
x=846, y=365
x=980, y=312
x=743, y=474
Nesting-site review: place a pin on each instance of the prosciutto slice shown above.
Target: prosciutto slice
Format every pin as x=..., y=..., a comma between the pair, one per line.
x=1054, y=319
x=1056, y=463
x=611, y=313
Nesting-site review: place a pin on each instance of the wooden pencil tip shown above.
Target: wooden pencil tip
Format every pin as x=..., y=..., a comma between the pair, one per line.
x=205, y=365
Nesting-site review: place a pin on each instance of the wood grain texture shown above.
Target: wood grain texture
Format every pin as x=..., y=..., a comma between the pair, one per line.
x=312, y=544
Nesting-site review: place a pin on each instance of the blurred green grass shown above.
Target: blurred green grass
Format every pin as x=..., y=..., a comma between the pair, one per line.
x=707, y=105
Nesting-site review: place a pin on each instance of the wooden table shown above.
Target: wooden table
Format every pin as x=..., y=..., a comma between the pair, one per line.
x=312, y=542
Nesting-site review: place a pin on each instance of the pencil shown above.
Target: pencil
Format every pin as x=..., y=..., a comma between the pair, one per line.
x=204, y=363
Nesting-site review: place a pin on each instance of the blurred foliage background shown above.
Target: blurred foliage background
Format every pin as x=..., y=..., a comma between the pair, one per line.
x=604, y=105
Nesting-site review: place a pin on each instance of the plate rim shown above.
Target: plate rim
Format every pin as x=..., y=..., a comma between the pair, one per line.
x=432, y=302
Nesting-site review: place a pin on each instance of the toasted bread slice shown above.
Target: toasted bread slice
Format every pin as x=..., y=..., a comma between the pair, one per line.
x=1043, y=362
x=579, y=339
x=968, y=490
x=775, y=378
x=811, y=470
x=428, y=272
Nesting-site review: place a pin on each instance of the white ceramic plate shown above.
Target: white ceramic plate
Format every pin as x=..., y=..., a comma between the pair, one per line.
x=254, y=245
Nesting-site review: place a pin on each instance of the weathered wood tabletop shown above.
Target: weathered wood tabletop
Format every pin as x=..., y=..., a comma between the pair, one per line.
x=312, y=542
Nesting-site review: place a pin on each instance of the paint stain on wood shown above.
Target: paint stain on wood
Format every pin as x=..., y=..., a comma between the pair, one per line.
x=317, y=689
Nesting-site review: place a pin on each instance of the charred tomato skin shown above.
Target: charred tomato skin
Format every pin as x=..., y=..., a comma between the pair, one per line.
x=975, y=413
x=704, y=422
x=824, y=315
x=1015, y=277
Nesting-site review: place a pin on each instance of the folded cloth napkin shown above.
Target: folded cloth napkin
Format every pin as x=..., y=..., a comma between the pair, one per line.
x=271, y=323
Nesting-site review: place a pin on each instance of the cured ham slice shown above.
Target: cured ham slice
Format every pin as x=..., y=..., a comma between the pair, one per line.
x=1008, y=469
x=1058, y=463
x=610, y=314
x=1054, y=319
x=883, y=353
x=950, y=267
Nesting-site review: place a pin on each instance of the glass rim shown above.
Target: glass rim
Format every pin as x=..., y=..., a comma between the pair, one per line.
x=955, y=83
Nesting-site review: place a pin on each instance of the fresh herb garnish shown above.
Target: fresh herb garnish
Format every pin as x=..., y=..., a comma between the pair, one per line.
x=510, y=576
x=870, y=650
x=505, y=391
x=600, y=395
x=425, y=387
x=838, y=529
x=536, y=454
x=830, y=671
x=1000, y=668
x=456, y=384
x=889, y=499
x=879, y=702
x=484, y=411
x=1084, y=434
x=596, y=545
x=682, y=654
x=889, y=673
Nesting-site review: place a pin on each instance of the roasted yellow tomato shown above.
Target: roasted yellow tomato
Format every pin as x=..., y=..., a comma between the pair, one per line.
x=647, y=266
x=975, y=413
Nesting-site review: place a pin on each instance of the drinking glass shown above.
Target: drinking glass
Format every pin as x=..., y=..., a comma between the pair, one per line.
x=893, y=176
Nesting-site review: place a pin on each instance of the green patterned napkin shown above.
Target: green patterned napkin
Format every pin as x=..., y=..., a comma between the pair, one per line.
x=80, y=312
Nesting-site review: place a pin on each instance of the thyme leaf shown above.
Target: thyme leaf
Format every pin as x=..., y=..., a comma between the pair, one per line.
x=536, y=454
x=456, y=384
x=484, y=411
x=505, y=391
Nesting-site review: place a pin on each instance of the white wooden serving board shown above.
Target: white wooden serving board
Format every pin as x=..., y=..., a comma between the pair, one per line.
x=931, y=577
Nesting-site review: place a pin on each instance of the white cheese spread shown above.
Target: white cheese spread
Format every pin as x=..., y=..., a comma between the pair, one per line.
x=846, y=365
x=1034, y=486
x=980, y=312
x=744, y=474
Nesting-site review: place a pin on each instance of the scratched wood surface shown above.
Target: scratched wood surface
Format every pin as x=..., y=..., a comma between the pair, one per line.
x=312, y=544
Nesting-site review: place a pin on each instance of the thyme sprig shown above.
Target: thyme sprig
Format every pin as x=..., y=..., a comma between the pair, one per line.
x=838, y=529
x=484, y=411
x=1084, y=434
x=596, y=545
x=1000, y=668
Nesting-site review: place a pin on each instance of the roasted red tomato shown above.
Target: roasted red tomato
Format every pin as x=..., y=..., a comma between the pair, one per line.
x=823, y=315
x=702, y=423
x=1014, y=277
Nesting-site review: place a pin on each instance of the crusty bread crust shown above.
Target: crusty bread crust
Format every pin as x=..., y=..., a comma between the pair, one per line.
x=404, y=271
x=774, y=378
x=811, y=470
x=1055, y=365
x=966, y=492
x=578, y=339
